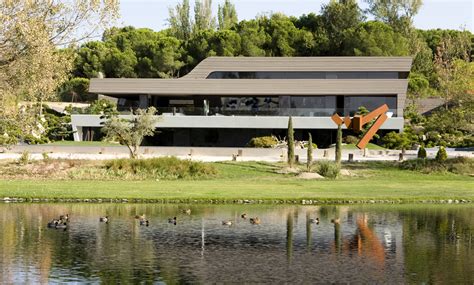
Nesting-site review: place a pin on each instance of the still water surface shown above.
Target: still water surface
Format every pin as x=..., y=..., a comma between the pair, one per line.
x=371, y=244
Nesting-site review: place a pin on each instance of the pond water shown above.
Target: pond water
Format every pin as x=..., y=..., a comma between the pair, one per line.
x=371, y=244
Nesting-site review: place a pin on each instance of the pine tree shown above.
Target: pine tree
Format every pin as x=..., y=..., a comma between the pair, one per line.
x=309, y=161
x=339, y=144
x=291, y=143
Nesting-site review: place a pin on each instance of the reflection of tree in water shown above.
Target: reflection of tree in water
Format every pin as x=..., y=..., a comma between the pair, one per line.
x=438, y=244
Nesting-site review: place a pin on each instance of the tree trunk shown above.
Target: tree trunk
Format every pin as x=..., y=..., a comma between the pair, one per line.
x=339, y=144
x=291, y=143
x=309, y=161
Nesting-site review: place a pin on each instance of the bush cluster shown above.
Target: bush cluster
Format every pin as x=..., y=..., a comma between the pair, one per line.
x=350, y=139
x=264, y=142
x=160, y=168
x=328, y=169
x=458, y=165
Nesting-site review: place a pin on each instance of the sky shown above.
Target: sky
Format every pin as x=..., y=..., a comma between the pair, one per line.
x=444, y=14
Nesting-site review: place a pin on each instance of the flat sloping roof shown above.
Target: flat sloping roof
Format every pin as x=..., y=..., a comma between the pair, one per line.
x=255, y=87
x=340, y=63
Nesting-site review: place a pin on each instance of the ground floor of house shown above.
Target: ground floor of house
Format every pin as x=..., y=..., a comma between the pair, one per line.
x=227, y=131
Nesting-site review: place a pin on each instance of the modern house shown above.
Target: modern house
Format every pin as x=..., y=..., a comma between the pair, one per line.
x=225, y=101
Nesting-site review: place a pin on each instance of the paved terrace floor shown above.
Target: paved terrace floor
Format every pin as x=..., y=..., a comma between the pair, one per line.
x=211, y=153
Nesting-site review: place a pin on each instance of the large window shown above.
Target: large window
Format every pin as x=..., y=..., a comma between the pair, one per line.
x=302, y=75
x=352, y=103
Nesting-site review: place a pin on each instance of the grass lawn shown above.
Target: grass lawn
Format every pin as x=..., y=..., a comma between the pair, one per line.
x=82, y=143
x=370, y=146
x=259, y=181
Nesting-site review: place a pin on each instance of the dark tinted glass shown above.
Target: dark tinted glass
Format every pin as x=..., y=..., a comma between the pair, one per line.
x=300, y=75
x=352, y=103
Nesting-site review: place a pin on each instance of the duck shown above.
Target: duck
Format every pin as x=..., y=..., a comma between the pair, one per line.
x=53, y=223
x=243, y=216
x=335, y=221
x=255, y=221
x=61, y=226
x=187, y=211
x=227, y=223
x=64, y=218
x=144, y=223
x=104, y=219
x=172, y=220
x=314, y=221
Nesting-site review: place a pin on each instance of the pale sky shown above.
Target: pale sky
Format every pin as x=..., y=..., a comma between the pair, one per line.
x=444, y=14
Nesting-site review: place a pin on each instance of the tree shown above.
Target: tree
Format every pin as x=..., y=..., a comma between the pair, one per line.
x=339, y=144
x=180, y=21
x=208, y=43
x=89, y=59
x=283, y=38
x=395, y=140
x=76, y=90
x=227, y=15
x=253, y=38
x=398, y=14
x=309, y=161
x=291, y=143
x=203, y=19
x=339, y=17
x=375, y=39
x=31, y=66
x=454, y=73
x=130, y=132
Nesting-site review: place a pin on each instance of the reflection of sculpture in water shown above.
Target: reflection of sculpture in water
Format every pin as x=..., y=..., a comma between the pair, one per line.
x=364, y=241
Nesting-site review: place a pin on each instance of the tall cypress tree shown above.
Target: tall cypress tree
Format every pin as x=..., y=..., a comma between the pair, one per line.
x=291, y=143
x=339, y=144
x=309, y=161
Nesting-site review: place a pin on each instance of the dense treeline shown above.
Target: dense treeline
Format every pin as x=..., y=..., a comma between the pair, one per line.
x=340, y=29
x=33, y=70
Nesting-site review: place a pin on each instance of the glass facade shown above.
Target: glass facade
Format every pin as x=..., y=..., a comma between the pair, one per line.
x=301, y=106
x=303, y=75
x=352, y=103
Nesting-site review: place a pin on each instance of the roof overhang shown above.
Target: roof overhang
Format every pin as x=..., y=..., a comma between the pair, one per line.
x=260, y=87
x=292, y=64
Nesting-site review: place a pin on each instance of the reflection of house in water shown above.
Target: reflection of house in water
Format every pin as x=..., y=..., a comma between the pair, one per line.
x=285, y=247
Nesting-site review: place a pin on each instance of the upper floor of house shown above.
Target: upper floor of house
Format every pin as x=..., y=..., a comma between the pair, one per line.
x=280, y=86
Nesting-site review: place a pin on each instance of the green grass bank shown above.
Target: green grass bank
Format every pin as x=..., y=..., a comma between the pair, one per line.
x=258, y=182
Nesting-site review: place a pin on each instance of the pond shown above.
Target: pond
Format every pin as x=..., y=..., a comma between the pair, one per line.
x=370, y=244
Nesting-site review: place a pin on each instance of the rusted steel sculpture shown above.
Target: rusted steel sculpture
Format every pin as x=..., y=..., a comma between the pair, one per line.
x=358, y=121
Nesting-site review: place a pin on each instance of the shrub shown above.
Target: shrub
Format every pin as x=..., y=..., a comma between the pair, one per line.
x=458, y=165
x=328, y=169
x=160, y=168
x=264, y=142
x=422, y=152
x=351, y=139
x=395, y=140
x=24, y=158
x=306, y=145
x=45, y=156
x=441, y=155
